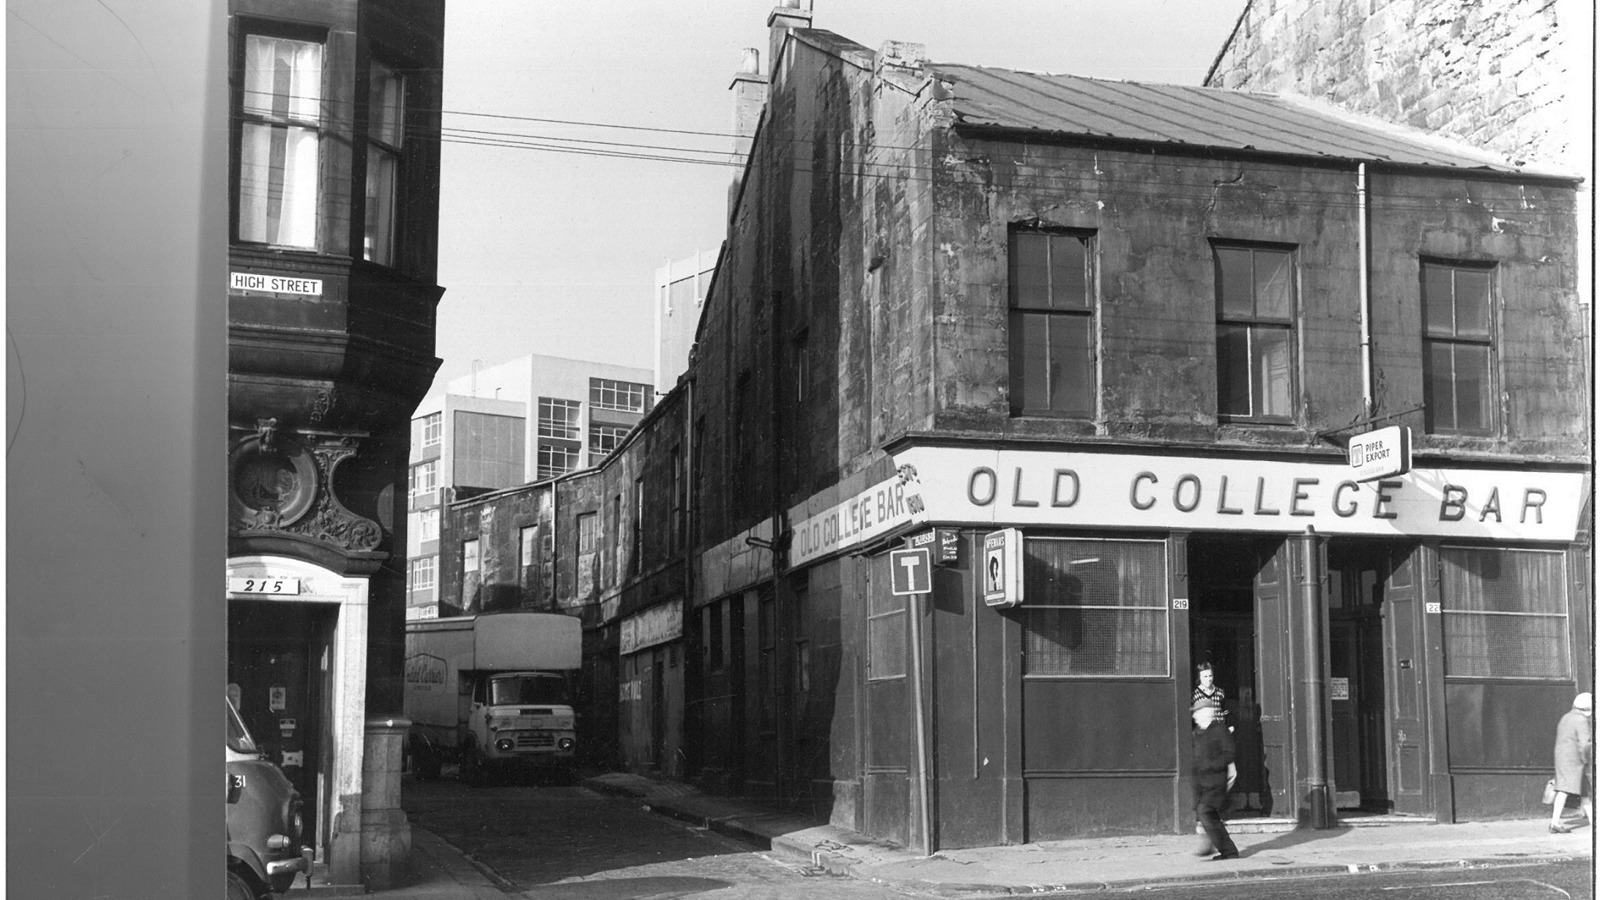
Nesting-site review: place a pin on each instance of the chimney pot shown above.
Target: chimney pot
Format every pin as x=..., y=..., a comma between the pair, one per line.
x=751, y=63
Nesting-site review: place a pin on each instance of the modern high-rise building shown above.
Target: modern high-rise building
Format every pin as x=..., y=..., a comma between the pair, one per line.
x=530, y=419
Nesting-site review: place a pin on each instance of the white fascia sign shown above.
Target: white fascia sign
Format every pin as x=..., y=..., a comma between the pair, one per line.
x=858, y=519
x=1000, y=487
x=656, y=625
x=1383, y=453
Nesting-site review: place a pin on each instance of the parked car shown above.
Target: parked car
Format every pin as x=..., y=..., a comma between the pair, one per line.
x=264, y=822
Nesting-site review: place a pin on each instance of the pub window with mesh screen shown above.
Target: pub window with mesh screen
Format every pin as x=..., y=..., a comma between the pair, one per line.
x=1505, y=613
x=886, y=635
x=1094, y=608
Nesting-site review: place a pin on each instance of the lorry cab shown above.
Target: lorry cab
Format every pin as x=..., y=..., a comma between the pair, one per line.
x=264, y=822
x=519, y=718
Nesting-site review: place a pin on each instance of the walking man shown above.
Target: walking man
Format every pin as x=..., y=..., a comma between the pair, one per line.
x=1214, y=774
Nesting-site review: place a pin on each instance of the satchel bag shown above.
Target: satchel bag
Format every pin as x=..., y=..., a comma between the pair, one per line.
x=1550, y=792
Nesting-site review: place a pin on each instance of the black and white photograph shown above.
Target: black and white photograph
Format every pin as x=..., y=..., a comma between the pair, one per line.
x=801, y=448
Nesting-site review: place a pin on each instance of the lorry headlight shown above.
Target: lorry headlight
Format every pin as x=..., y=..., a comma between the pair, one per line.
x=504, y=745
x=566, y=743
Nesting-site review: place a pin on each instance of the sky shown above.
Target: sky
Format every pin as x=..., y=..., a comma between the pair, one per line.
x=543, y=250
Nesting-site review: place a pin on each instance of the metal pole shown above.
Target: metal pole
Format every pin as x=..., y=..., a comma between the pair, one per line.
x=1321, y=810
x=923, y=763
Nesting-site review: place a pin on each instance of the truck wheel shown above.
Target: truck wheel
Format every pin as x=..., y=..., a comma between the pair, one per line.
x=427, y=763
x=474, y=767
x=239, y=889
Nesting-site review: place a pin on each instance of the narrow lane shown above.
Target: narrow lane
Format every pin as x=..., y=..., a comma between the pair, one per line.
x=571, y=843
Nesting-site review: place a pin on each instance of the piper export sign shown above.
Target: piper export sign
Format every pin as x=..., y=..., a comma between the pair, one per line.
x=274, y=284
x=1115, y=490
x=1380, y=454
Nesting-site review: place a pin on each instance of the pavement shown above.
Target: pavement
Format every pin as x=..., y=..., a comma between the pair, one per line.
x=1268, y=849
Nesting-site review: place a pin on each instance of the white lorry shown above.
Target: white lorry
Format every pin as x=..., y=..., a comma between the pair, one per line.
x=492, y=691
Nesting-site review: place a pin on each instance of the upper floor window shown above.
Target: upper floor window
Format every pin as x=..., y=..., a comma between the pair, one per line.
x=1457, y=345
x=424, y=478
x=1051, y=324
x=280, y=141
x=420, y=577
x=428, y=524
x=432, y=429
x=385, y=134
x=469, y=556
x=1255, y=333
x=604, y=393
x=528, y=540
x=556, y=459
x=559, y=418
x=588, y=533
x=603, y=439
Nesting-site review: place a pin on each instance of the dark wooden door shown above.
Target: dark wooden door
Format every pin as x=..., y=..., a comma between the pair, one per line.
x=1407, y=696
x=1272, y=679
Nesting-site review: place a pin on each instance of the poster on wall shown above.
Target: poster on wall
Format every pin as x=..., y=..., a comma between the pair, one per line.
x=1002, y=567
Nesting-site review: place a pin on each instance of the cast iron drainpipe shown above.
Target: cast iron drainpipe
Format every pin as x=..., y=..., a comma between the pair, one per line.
x=1311, y=637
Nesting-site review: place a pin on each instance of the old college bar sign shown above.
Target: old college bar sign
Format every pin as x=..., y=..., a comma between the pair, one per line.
x=1028, y=487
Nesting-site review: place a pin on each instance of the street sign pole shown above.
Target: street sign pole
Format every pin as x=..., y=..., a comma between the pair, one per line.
x=918, y=602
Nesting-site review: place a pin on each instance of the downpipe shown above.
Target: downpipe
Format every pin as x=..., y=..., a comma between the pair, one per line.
x=1318, y=795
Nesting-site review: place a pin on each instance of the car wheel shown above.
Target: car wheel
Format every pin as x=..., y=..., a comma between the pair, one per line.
x=239, y=889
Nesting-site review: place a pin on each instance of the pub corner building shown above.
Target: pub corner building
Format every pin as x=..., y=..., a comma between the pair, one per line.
x=1108, y=367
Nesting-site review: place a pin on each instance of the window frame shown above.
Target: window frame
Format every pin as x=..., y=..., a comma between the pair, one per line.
x=1019, y=311
x=1488, y=342
x=471, y=561
x=604, y=394
x=601, y=433
x=432, y=429
x=244, y=117
x=1164, y=607
x=428, y=564
x=1255, y=323
x=396, y=152
x=568, y=427
x=1449, y=614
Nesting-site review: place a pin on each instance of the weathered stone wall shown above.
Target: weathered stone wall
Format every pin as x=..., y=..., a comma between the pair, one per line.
x=1494, y=73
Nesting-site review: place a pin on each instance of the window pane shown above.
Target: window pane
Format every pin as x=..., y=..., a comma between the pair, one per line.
x=1030, y=275
x=278, y=184
x=381, y=180
x=1030, y=359
x=1234, y=282
x=386, y=107
x=1233, y=370
x=282, y=78
x=1059, y=641
x=1273, y=284
x=1270, y=347
x=886, y=646
x=1069, y=285
x=1438, y=306
x=1438, y=386
x=1472, y=303
x=1071, y=365
x=1505, y=613
x=1472, y=387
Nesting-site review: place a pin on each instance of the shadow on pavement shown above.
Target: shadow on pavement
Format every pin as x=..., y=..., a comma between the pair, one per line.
x=608, y=888
x=1294, y=838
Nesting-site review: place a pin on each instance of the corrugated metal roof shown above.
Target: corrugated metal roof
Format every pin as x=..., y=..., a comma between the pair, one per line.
x=1197, y=117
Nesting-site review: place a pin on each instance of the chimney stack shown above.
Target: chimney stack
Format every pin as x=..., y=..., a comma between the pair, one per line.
x=787, y=15
x=749, y=99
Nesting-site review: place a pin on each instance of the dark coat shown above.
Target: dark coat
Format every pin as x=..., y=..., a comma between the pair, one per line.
x=1213, y=751
x=1574, y=751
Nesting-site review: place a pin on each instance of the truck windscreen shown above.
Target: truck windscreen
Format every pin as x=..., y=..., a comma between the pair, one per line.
x=528, y=689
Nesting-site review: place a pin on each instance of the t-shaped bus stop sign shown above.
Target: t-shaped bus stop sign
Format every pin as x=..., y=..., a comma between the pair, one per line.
x=910, y=571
